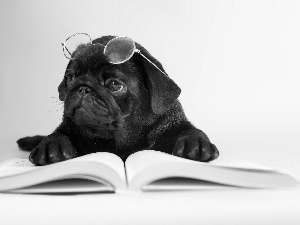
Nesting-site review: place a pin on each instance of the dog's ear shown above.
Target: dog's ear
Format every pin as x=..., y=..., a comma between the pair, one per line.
x=163, y=90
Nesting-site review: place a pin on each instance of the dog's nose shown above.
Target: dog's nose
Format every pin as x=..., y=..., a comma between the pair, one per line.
x=84, y=90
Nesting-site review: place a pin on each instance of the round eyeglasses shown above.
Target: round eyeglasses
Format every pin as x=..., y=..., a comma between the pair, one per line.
x=118, y=50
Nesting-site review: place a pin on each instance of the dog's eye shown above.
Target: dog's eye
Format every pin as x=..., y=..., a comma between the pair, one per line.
x=115, y=86
x=69, y=77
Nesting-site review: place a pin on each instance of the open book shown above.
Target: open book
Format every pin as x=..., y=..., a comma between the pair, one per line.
x=142, y=171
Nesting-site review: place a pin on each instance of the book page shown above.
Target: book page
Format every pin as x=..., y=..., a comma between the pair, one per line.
x=146, y=157
x=103, y=167
x=105, y=158
x=68, y=185
x=139, y=160
x=15, y=166
x=179, y=183
x=238, y=163
x=148, y=166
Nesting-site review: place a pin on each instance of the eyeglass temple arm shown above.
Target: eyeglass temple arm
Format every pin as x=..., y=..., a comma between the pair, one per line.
x=138, y=51
x=65, y=48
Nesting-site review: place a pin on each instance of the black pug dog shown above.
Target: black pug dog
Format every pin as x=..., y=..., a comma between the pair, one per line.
x=120, y=109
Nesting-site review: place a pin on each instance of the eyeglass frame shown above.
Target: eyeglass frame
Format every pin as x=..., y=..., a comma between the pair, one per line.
x=90, y=42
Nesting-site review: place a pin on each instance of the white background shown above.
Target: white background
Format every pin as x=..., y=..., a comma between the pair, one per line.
x=237, y=63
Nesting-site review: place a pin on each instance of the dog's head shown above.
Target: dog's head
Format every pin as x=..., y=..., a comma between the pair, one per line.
x=100, y=96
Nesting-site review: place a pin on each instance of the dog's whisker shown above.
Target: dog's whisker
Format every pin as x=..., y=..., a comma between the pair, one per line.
x=58, y=101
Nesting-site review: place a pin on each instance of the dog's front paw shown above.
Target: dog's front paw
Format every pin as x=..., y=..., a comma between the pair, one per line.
x=54, y=148
x=195, y=147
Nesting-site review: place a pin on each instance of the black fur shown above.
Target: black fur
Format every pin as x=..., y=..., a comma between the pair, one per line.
x=144, y=114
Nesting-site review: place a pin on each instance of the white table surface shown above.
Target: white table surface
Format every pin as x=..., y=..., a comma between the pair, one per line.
x=186, y=207
x=238, y=206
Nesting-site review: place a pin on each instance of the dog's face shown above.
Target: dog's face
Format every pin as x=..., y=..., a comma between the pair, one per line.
x=100, y=97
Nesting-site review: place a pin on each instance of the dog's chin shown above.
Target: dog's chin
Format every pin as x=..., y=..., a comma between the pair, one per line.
x=85, y=116
x=92, y=124
x=93, y=118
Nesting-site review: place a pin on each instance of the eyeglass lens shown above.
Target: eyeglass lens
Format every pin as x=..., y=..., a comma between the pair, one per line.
x=119, y=50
